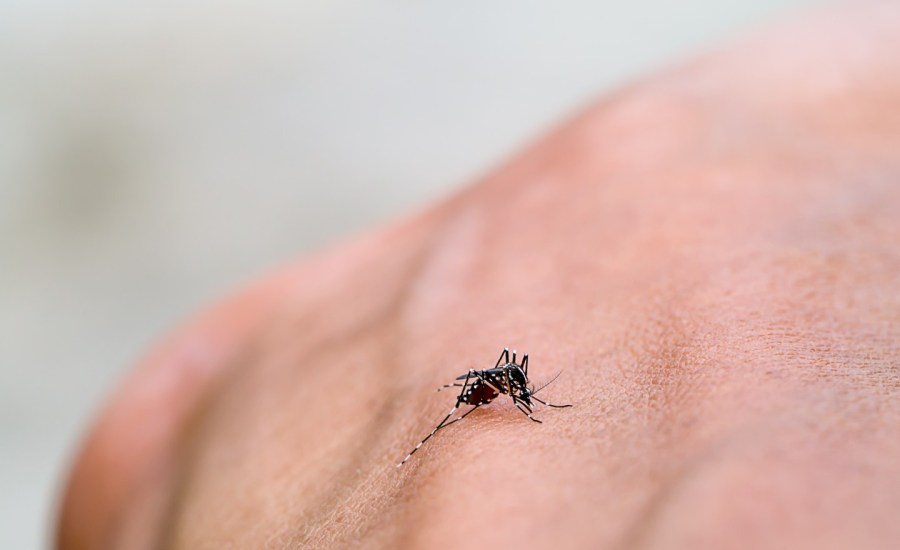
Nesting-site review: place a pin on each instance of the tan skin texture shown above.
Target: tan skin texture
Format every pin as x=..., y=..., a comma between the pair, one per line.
x=712, y=257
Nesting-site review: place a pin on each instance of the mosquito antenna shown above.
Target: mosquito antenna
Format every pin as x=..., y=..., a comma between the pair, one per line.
x=552, y=380
x=539, y=400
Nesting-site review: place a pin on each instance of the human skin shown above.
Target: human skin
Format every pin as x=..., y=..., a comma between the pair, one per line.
x=711, y=258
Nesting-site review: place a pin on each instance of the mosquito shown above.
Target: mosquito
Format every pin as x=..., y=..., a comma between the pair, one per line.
x=480, y=387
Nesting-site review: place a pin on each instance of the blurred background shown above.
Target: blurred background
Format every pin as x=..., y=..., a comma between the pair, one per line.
x=154, y=156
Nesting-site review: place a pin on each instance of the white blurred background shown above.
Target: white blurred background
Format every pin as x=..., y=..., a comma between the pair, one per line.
x=154, y=156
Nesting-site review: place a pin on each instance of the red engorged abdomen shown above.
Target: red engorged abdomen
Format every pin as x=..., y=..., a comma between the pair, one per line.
x=481, y=394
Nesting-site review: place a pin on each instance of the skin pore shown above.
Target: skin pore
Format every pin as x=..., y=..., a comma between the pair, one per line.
x=711, y=257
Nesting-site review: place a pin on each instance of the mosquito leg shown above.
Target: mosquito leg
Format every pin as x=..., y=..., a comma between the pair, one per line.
x=528, y=414
x=465, y=384
x=504, y=353
x=442, y=423
x=525, y=407
x=550, y=404
x=519, y=401
x=456, y=385
x=525, y=365
x=461, y=417
x=427, y=437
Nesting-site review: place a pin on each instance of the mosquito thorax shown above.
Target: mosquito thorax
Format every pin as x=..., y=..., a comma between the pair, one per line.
x=517, y=375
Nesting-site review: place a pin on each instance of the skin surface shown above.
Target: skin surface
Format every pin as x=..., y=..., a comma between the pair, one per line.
x=711, y=257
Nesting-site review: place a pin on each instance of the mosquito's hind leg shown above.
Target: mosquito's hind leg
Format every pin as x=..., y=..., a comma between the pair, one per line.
x=443, y=423
x=440, y=425
x=461, y=417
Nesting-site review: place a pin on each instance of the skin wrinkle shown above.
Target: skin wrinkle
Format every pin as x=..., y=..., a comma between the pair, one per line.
x=345, y=458
x=181, y=465
x=342, y=517
x=665, y=498
x=753, y=447
x=117, y=459
x=639, y=384
x=810, y=348
x=678, y=373
x=666, y=494
x=446, y=255
x=317, y=529
x=113, y=467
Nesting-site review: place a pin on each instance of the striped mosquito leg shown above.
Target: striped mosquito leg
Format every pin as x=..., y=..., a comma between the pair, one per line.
x=455, y=420
x=441, y=424
x=528, y=414
x=504, y=357
x=427, y=437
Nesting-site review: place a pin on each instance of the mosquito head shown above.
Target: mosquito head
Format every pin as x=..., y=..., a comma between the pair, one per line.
x=525, y=394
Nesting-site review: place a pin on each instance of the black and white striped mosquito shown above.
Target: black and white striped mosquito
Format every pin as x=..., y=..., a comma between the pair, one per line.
x=480, y=387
